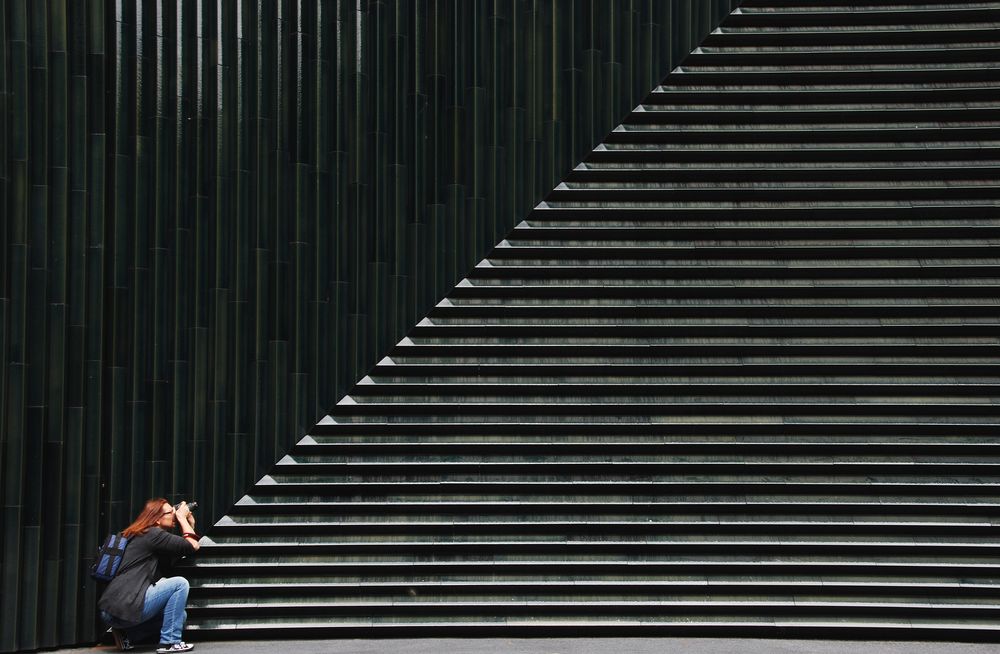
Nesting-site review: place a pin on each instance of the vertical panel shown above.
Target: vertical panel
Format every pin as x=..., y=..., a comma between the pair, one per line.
x=14, y=453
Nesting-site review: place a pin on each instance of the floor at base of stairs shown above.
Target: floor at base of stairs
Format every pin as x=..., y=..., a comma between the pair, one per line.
x=573, y=646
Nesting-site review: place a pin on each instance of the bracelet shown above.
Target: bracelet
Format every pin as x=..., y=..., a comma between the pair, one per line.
x=191, y=535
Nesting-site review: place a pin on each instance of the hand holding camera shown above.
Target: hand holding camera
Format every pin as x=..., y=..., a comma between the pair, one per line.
x=183, y=510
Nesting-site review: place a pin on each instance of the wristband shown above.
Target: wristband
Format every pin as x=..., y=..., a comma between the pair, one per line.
x=191, y=535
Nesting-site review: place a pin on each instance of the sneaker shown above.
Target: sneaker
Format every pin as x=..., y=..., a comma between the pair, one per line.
x=121, y=640
x=164, y=648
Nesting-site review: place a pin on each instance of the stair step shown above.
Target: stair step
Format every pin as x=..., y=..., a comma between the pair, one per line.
x=241, y=530
x=897, y=78
x=944, y=222
x=921, y=18
x=749, y=254
x=627, y=393
x=275, y=506
x=879, y=157
x=811, y=135
x=760, y=291
x=738, y=271
x=728, y=97
x=842, y=175
x=287, y=481
x=720, y=56
x=612, y=311
x=983, y=234
x=651, y=610
x=874, y=570
x=574, y=628
x=851, y=5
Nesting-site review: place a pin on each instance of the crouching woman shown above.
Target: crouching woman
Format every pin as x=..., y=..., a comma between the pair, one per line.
x=140, y=600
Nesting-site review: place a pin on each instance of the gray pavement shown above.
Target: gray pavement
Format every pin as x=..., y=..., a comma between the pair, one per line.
x=571, y=646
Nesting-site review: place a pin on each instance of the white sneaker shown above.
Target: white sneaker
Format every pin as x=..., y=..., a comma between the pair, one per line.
x=175, y=647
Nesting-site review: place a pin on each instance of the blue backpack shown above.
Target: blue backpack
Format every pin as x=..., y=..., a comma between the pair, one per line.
x=109, y=557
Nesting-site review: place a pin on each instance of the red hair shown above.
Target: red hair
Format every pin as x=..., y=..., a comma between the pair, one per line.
x=147, y=518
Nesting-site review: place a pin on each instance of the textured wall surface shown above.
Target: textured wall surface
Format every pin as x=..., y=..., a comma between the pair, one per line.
x=216, y=215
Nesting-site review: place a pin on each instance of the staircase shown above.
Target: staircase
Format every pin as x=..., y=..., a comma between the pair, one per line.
x=739, y=374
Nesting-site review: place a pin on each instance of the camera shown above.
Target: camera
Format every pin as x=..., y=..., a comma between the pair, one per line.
x=191, y=505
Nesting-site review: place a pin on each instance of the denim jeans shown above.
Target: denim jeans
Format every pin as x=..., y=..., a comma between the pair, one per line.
x=163, y=609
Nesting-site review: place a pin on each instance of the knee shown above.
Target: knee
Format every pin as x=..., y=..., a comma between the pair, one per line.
x=179, y=585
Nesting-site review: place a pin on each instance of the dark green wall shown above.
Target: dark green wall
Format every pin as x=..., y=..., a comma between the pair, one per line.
x=216, y=215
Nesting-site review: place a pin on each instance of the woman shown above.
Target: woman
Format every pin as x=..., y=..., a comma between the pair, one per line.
x=138, y=599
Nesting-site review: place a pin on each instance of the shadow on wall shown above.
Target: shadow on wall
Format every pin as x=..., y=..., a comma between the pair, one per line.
x=219, y=215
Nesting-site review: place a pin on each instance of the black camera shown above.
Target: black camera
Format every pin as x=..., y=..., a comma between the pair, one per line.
x=191, y=505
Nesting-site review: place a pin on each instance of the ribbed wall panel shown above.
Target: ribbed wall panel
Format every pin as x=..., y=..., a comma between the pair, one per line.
x=216, y=215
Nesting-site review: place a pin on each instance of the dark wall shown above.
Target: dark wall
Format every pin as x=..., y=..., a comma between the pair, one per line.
x=217, y=215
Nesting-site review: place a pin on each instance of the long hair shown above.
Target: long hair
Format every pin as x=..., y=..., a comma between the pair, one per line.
x=147, y=518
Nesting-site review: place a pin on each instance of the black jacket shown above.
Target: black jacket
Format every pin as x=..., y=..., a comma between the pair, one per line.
x=125, y=595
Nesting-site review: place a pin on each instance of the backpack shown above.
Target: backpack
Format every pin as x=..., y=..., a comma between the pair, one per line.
x=109, y=557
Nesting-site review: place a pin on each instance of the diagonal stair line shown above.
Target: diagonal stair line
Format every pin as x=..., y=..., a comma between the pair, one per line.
x=737, y=374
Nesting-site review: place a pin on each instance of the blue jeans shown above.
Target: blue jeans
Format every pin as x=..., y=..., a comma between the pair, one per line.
x=163, y=609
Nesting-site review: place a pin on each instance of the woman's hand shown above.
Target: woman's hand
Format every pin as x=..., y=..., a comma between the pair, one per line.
x=185, y=520
x=184, y=511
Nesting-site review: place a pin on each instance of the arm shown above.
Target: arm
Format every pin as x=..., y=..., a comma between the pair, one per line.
x=185, y=520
